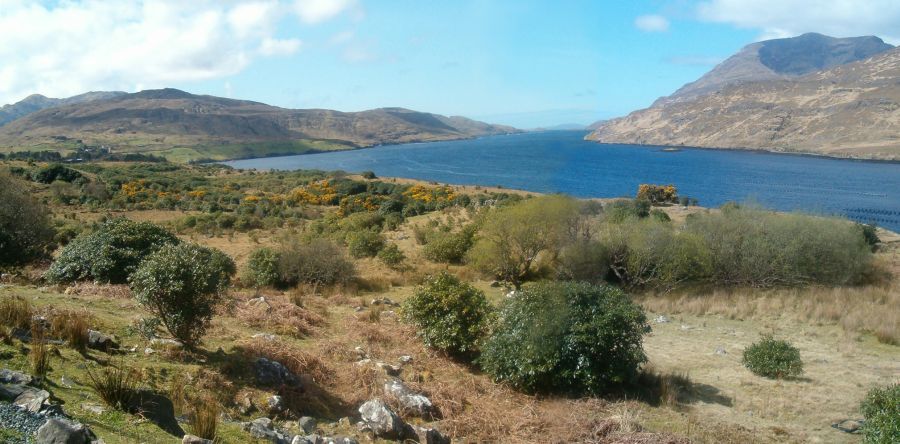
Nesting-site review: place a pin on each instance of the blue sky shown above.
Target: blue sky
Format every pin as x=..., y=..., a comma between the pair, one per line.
x=525, y=63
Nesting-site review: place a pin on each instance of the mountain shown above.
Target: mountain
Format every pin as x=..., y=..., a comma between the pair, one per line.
x=156, y=120
x=812, y=94
x=37, y=102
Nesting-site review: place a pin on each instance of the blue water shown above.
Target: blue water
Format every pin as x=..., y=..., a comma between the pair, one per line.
x=561, y=161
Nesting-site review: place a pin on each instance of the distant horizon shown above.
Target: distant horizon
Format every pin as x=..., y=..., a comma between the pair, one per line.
x=525, y=64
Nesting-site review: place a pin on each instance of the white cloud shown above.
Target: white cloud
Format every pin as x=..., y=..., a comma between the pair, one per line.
x=652, y=23
x=784, y=18
x=315, y=11
x=64, y=48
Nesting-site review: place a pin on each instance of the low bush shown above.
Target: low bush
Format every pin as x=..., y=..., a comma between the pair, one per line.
x=449, y=247
x=450, y=315
x=110, y=253
x=619, y=211
x=182, y=285
x=586, y=261
x=262, y=268
x=881, y=408
x=365, y=243
x=575, y=338
x=391, y=256
x=26, y=233
x=318, y=262
x=773, y=358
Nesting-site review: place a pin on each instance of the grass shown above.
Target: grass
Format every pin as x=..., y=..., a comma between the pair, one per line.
x=39, y=354
x=115, y=385
x=205, y=418
x=72, y=327
x=16, y=312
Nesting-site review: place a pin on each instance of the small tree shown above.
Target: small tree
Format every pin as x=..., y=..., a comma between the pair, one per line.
x=773, y=358
x=25, y=230
x=318, y=262
x=365, y=243
x=881, y=408
x=181, y=285
x=391, y=256
x=262, y=268
x=450, y=315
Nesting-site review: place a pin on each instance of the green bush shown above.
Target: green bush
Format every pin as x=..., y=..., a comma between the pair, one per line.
x=881, y=408
x=870, y=234
x=566, y=337
x=586, y=261
x=25, y=230
x=262, y=268
x=391, y=256
x=110, y=253
x=319, y=262
x=54, y=173
x=450, y=315
x=449, y=247
x=773, y=358
x=365, y=243
x=619, y=211
x=182, y=285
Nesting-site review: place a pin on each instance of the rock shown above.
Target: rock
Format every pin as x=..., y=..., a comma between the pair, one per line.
x=264, y=336
x=495, y=284
x=166, y=343
x=409, y=400
x=263, y=428
x=66, y=382
x=360, y=352
x=275, y=404
x=8, y=376
x=405, y=359
x=390, y=370
x=661, y=319
x=307, y=424
x=32, y=399
x=302, y=440
x=96, y=409
x=340, y=440
x=191, y=439
x=428, y=435
x=59, y=431
x=721, y=351
x=363, y=362
x=245, y=405
x=9, y=392
x=359, y=309
x=100, y=341
x=260, y=303
x=273, y=373
x=149, y=351
x=685, y=327
x=511, y=294
x=383, y=421
x=849, y=425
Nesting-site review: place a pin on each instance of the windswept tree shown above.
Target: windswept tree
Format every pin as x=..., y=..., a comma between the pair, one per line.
x=25, y=230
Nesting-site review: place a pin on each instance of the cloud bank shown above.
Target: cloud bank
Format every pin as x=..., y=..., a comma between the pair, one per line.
x=69, y=47
x=652, y=23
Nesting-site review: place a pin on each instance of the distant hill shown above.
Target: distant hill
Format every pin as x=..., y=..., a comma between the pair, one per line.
x=37, y=102
x=169, y=119
x=811, y=93
x=563, y=127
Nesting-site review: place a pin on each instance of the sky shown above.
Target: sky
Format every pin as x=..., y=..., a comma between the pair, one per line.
x=525, y=63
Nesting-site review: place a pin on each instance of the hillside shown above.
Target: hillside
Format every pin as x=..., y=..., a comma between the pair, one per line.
x=168, y=120
x=37, y=102
x=845, y=110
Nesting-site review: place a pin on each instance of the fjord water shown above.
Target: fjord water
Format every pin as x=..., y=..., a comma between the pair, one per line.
x=561, y=161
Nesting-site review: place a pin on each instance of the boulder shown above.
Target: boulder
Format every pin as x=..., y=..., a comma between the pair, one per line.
x=307, y=424
x=59, y=431
x=409, y=400
x=390, y=370
x=428, y=435
x=383, y=422
x=191, y=439
x=101, y=341
x=406, y=359
x=340, y=440
x=272, y=373
x=263, y=428
x=9, y=392
x=32, y=399
x=661, y=319
x=8, y=376
x=275, y=404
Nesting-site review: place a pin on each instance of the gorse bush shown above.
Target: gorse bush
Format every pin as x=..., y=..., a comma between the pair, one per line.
x=262, y=268
x=110, y=253
x=450, y=315
x=319, y=262
x=773, y=358
x=566, y=337
x=365, y=243
x=182, y=285
x=449, y=247
x=25, y=230
x=881, y=408
x=391, y=256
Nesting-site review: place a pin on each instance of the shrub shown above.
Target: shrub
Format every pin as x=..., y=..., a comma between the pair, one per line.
x=365, y=243
x=449, y=248
x=773, y=358
x=586, y=261
x=110, y=253
x=660, y=215
x=657, y=193
x=450, y=315
x=116, y=386
x=318, y=262
x=55, y=172
x=870, y=234
x=619, y=211
x=262, y=268
x=181, y=285
x=881, y=408
x=25, y=230
x=368, y=175
x=391, y=256
x=569, y=337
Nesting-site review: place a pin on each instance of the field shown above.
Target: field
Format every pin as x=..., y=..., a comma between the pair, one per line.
x=694, y=389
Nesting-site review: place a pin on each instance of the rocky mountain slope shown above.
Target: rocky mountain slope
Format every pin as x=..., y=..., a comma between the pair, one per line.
x=168, y=117
x=774, y=96
x=37, y=102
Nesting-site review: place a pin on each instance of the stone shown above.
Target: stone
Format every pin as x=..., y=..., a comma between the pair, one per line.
x=263, y=428
x=302, y=440
x=429, y=435
x=406, y=359
x=661, y=319
x=849, y=425
x=96, y=409
x=245, y=405
x=100, y=341
x=264, y=336
x=9, y=392
x=59, y=431
x=66, y=382
x=390, y=370
x=272, y=373
x=260, y=303
x=32, y=399
x=411, y=402
x=166, y=343
x=275, y=404
x=307, y=424
x=360, y=352
x=383, y=421
x=721, y=351
x=8, y=376
x=191, y=439
x=685, y=327
x=340, y=440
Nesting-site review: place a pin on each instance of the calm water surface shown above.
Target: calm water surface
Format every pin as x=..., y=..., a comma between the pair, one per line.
x=561, y=161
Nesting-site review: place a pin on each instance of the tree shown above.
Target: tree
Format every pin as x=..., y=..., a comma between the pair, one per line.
x=262, y=268
x=25, y=230
x=513, y=238
x=182, y=284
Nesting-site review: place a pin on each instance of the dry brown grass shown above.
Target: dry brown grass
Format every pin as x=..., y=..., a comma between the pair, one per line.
x=204, y=416
x=115, y=385
x=279, y=316
x=39, y=355
x=296, y=360
x=16, y=312
x=868, y=309
x=71, y=326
